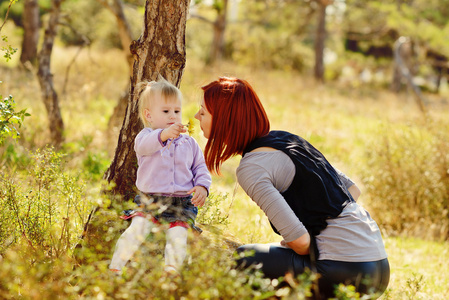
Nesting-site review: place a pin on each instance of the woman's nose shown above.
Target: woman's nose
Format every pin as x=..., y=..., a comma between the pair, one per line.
x=197, y=116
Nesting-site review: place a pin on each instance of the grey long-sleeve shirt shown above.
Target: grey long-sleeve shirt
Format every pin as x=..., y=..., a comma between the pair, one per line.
x=352, y=236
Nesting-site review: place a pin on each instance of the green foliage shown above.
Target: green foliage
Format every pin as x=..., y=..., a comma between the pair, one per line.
x=258, y=46
x=346, y=292
x=93, y=21
x=209, y=274
x=407, y=179
x=10, y=119
x=44, y=211
x=424, y=21
x=212, y=211
x=95, y=164
x=8, y=49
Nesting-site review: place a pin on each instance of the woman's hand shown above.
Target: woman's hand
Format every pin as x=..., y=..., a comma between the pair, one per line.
x=199, y=195
x=301, y=245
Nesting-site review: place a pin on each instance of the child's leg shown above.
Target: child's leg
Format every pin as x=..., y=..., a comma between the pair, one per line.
x=175, y=248
x=129, y=242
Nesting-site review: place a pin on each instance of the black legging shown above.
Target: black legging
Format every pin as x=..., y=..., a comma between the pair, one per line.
x=367, y=277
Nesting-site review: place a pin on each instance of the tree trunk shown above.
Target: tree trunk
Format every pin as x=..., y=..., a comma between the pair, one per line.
x=31, y=32
x=49, y=95
x=320, y=39
x=403, y=57
x=160, y=50
x=217, y=48
x=125, y=33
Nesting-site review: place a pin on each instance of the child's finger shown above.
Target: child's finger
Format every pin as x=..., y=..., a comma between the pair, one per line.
x=198, y=202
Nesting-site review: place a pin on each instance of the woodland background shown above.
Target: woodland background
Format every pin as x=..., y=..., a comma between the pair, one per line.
x=366, y=82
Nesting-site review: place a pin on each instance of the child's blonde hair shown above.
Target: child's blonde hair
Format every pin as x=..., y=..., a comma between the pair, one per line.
x=149, y=89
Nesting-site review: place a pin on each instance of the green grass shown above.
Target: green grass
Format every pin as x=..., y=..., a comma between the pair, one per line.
x=338, y=119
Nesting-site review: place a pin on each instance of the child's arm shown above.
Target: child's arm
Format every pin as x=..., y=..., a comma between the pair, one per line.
x=148, y=142
x=199, y=195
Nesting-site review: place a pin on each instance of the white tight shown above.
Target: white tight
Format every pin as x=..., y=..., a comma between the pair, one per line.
x=135, y=234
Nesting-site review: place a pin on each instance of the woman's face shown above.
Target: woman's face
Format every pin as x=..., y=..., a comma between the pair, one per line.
x=205, y=118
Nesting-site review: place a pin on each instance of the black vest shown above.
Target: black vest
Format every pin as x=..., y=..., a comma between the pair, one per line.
x=316, y=193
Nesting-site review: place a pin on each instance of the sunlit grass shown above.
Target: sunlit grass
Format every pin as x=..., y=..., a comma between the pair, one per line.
x=418, y=269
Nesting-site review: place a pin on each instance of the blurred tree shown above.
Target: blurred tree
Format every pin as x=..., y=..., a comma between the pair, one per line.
x=126, y=37
x=31, y=26
x=124, y=28
x=49, y=95
x=217, y=49
x=320, y=38
x=276, y=34
x=372, y=27
x=219, y=27
x=160, y=50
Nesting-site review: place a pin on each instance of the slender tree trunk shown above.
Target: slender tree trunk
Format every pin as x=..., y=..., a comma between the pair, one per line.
x=125, y=33
x=31, y=32
x=403, y=65
x=124, y=29
x=217, y=48
x=49, y=95
x=320, y=39
x=160, y=50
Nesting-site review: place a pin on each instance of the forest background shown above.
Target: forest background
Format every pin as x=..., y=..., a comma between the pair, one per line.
x=335, y=72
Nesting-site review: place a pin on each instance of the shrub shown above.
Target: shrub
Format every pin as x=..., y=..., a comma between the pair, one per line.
x=407, y=179
x=212, y=211
x=45, y=210
x=10, y=119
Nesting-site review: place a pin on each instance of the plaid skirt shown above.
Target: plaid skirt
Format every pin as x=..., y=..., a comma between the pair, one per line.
x=165, y=209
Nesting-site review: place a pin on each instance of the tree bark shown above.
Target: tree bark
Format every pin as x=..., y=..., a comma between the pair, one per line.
x=160, y=50
x=320, y=39
x=31, y=32
x=49, y=95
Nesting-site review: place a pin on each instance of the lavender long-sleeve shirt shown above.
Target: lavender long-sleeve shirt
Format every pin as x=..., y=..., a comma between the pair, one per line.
x=169, y=171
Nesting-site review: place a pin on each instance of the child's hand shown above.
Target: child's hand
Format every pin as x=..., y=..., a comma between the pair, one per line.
x=199, y=195
x=173, y=131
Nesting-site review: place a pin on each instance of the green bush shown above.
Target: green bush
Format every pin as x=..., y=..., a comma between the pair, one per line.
x=10, y=120
x=44, y=210
x=407, y=179
x=212, y=211
x=209, y=274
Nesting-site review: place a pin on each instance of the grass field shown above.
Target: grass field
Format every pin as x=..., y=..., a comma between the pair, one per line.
x=338, y=119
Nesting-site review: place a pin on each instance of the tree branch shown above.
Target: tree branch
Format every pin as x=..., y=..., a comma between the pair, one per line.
x=6, y=16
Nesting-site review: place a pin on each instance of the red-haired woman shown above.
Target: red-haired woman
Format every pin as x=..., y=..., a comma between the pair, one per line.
x=307, y=201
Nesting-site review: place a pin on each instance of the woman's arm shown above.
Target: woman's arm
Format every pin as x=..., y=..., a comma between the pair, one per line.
x=355, y=191
x=258, y=183
x=301, y=245
x=350, y=185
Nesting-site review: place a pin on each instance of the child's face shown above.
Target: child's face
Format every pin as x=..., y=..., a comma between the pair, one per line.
x=164, y=112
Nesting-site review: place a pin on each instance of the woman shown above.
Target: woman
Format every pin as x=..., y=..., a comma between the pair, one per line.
x=308, y=202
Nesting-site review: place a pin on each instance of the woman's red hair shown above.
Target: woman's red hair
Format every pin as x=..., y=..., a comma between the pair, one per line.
x=238, y=118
